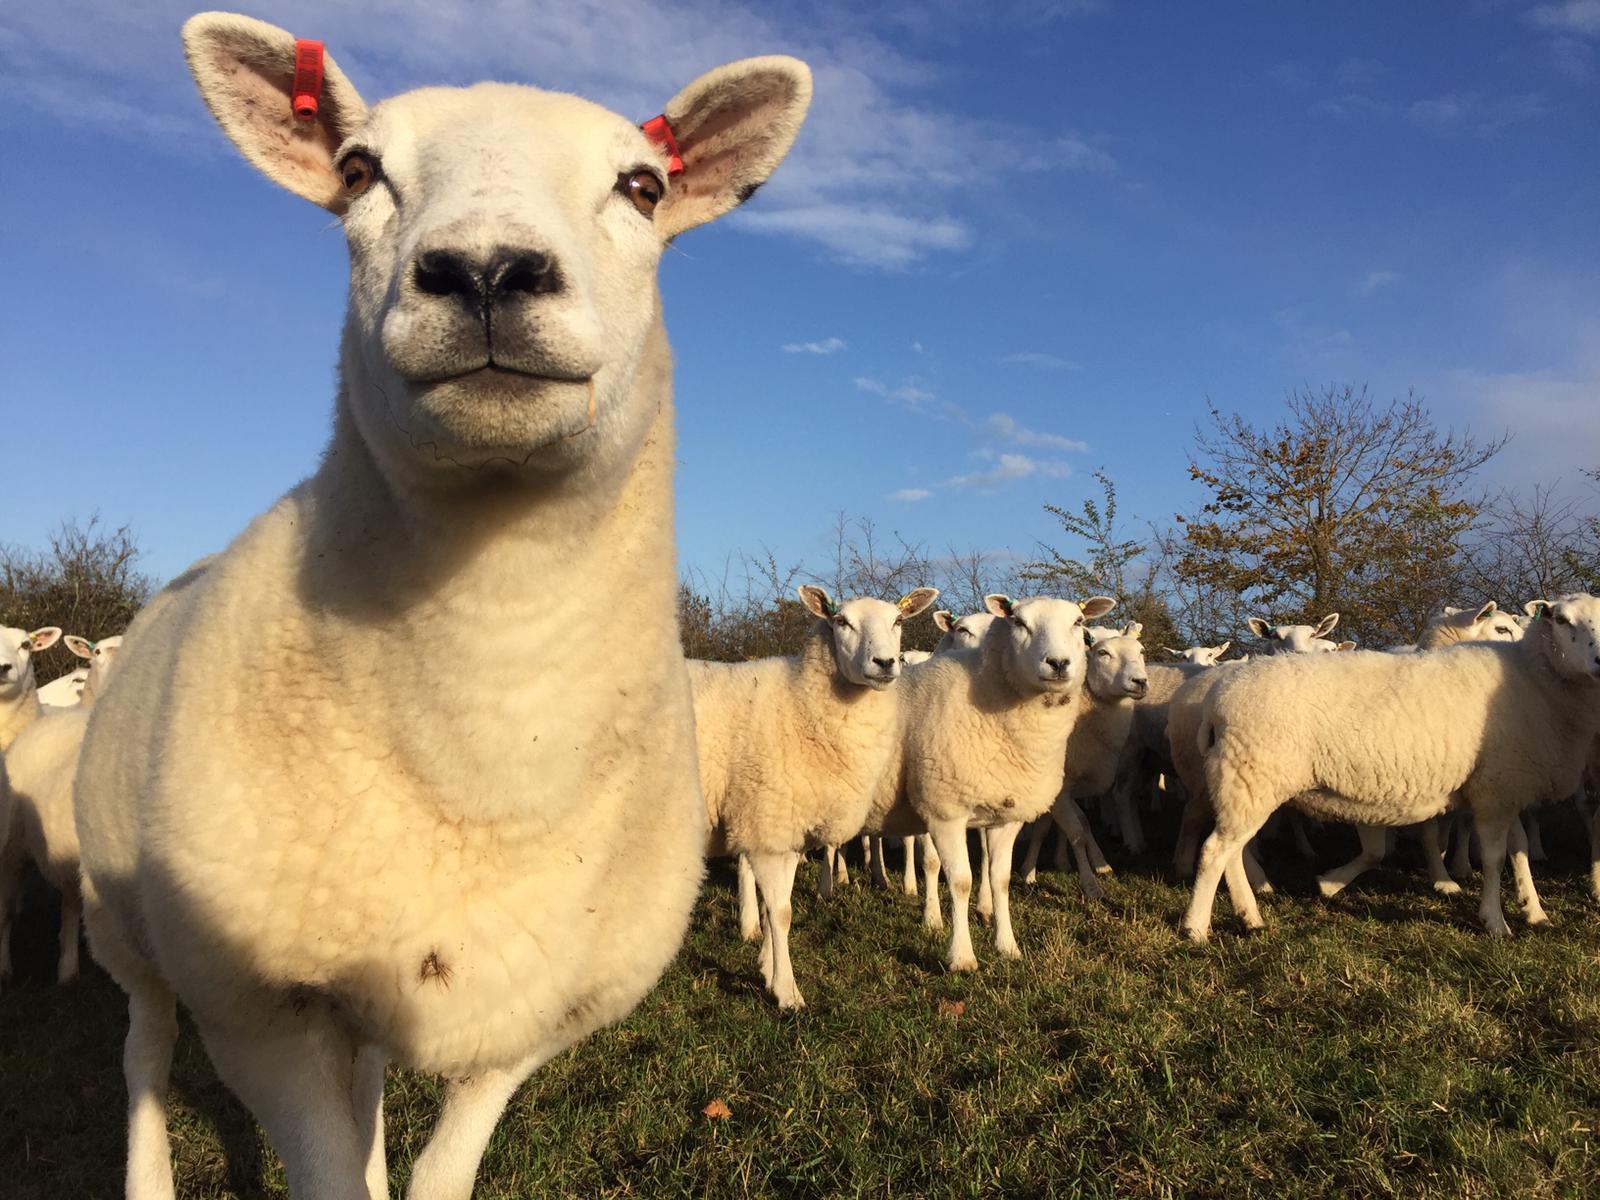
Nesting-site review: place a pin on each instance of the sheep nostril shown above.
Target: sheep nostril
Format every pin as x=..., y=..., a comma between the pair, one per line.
x=885, y=663
x=446, y=273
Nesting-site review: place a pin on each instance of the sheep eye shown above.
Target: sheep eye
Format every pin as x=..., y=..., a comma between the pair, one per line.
x=841, y=622
x=644, y=188
x=1020, y=624
x=357, y=173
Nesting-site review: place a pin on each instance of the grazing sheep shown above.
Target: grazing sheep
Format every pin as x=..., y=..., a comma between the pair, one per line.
x=19, y=708
x=983, y=738
x=41, y=765
x=1199, y=656
x=791, y=750
x=1505, y=724
x=1116, y=679
x=333, y=857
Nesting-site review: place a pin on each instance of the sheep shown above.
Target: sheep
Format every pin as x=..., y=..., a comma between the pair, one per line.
x=983, y=734
x=1116, y=679
x=1505, y=724
x=1299, y=639
x=1146, y=757
x=19, y=708
x=1199, y=656
x=791, y=750
x=65, y=691
x=41, y=765
x=332, y=856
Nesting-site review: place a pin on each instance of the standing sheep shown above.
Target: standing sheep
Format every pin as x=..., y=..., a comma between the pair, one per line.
x=791, y=751
x=1506, y=725
x=332, y=858
x=19, y=708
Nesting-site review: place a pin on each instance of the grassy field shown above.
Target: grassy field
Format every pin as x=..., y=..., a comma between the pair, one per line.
x=1374, y=1045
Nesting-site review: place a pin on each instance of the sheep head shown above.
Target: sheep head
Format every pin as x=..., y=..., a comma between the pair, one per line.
x=1041, y=642
x=866, y=632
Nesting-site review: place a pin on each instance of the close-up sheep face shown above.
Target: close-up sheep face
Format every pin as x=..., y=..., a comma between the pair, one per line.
x=1574, y=632
x=17, y=648
x=866, y=632
x=503, y=240
x=1298, y=639
x=1116, y=668
x=1042, y=639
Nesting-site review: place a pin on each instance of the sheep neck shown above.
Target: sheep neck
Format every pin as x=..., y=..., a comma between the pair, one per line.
x=18, y=713
x=825, y=695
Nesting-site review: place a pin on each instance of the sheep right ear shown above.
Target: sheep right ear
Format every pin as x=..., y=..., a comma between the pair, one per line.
x=1345, y=646
x=998, y=604
x=1486, y=611
x=1097, y=606
x=731, y=128
x=1536, y=609
x=1259, y=627
x=1222, y=649
x=818, y=603
x=245, y=70
x=80, y=646
x=43, y=639
x=1171, y=651
x=943, y=618
x=1325, y=626
x=1133, y=629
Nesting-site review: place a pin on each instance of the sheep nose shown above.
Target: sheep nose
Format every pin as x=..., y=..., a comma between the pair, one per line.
x=885, y=664
x=1059, y=665
x=482, y=284
x=5, y=669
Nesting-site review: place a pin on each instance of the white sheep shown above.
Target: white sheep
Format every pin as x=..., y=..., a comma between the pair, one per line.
x=19, y=708
x=1505, y=724
x=983, y=738
x=1299, y=639
x=333, y=852
x=41, y=765
x=1199, y=656
x=65, y=691
x=791, y=751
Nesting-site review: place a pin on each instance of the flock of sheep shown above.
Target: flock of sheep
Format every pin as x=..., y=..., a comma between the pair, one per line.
x=281, y=811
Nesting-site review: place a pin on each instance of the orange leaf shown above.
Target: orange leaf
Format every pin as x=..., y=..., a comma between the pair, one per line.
x=717, y=1110
x=952, y=1008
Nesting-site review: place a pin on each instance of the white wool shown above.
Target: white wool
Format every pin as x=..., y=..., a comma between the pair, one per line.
x=19, y=708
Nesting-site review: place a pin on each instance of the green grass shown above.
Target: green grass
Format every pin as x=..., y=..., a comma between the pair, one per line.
x=1373, y=1045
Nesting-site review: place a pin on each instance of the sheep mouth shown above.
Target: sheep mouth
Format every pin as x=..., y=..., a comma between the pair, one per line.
x=880, y=682
x=494, y=370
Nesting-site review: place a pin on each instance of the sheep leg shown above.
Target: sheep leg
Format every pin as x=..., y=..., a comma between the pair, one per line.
x=1002, y=841
x=147, y=1067
x=1492, y=835
x=1030, y=860
x=930, y=883
x=1534, y=829
x=908, y=882
x=1259, y=883
x=1461, y=861
x=775, y=884
x=874, y=850
x=1302, y=839
x=985, y=904
x=448, y=1164
x=299, y=1086
x=1240, y=891
x=1128, y=818
x=1069, y=817
x=1433, y=855
x=841, y=868
x=366, y=1103
x=825, y=873
x=1221, y=848
x=1594, y=854
x=71, y=920
x=749, y=906
x=1062, y=858
x=950, y=838
x=1196, y=815
x=1374, y=844
x=1527, y=895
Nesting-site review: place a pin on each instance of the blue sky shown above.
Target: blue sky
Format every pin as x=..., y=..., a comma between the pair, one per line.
x=1016, y=242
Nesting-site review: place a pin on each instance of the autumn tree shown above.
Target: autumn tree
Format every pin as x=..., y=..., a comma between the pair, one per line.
x=1344, y=505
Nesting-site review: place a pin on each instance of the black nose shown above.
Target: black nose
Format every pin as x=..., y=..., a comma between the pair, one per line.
x=1058, y=665
x=5, y=669
x=481, y=284
x=885, y=663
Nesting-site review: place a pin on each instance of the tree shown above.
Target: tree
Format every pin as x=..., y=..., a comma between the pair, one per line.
x=1534, y=546
x=85, y=582
x=1345, y=505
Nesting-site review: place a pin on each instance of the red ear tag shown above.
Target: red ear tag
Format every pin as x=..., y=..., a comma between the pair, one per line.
x=658, y=131
x=307, y=79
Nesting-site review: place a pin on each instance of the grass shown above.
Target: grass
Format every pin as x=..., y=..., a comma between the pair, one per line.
x=1373, y=1045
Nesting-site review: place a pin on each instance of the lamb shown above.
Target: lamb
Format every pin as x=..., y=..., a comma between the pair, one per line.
x=41, y=765
x=1199, y=656
x=791, y=750
x=983, y=736
x=1116, y=679
x=1506, y=724
x=332, y=858
x=19, y=708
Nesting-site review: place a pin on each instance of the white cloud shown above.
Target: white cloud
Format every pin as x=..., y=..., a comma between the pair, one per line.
x=830, y=345
x=1376, y=281
x=1005, y=428
x=917, y=399
x=1581, y=17
x=863, y=236
x=1035, y=358
x=1359, y=74
x=1481, y=114
x=1008, y=468
x=909, y=495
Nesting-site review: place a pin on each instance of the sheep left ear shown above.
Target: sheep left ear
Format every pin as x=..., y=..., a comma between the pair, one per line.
x=731, y=128
x=80, y=646
x=1486, y=611
x=43, y=639
x=1222, y=649
x=998, y=604
x=1346, y=646
x=817, y=601
x=917, y=601
x=1133, y=629
x=1097, y=606
x=1325, y=626
x=1536, y=609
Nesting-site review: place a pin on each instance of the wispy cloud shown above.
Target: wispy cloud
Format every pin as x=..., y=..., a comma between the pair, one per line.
x=1005, y=428
x=863, y=235
x=1008, y=468
x=830, y=345
x=1474, y=111
x=1375, y=281
x=1036, y=358
x=1349, y=106
x=910, y=495
x=1581, y=17
x=916, y=399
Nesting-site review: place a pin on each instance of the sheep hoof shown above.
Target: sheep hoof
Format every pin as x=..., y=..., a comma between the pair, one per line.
x=1031, y=878
x=965, y=962
x=1328, y=887
x=1009, y=950
x=1092, y=890
x=752, y=934
x=1103, y=869
x=1195, y=934
x=1447, y=887
x=910, y=889
x=1495, y=926
x=986, y=916
x=1539, y=920
x=792, y=1002
x=1264, y=889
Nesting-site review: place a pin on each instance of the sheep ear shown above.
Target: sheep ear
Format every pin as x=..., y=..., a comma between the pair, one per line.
x=1450, y=610
x=80, y=646
x=44, y=638
x=916, y=601
x=1487, y=611
x=245, y=70
x=817, y=601
x=1345, y=646
x=1171, y=651
x=1097, y=606
x=1259, y=627
x=1534, y=609
x=1325, y=626
x=1133, y=629
x=998, y=604
x=731, y=127
x=1222, y=649
x=943, y=618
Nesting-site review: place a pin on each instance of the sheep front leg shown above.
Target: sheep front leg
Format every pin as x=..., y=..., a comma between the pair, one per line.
x=1461, y=859
x=873, y=848
x=1594, y=853
x=1433, y=854
x=775, y=885
x=366, y=1103
x=1492, y=834
x=1069, y=817
x=1374, y=844
x=1196, y=815
x=1527, y=895
x=1241, y=893
x=1128, y=818
x=1222, y=853
x=908, y=883
x=749, y=906
x=147, y=1067
x=1259, y=883
x=931, y=863
x=1030, y=860
x=825, y=873
x=1001, y=842
x=985, y=892
x=472, y=1106
x=950, y=838
x=71, y=918
x=1533, y=827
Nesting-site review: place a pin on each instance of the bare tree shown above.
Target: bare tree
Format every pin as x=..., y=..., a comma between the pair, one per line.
x=1530, y=546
